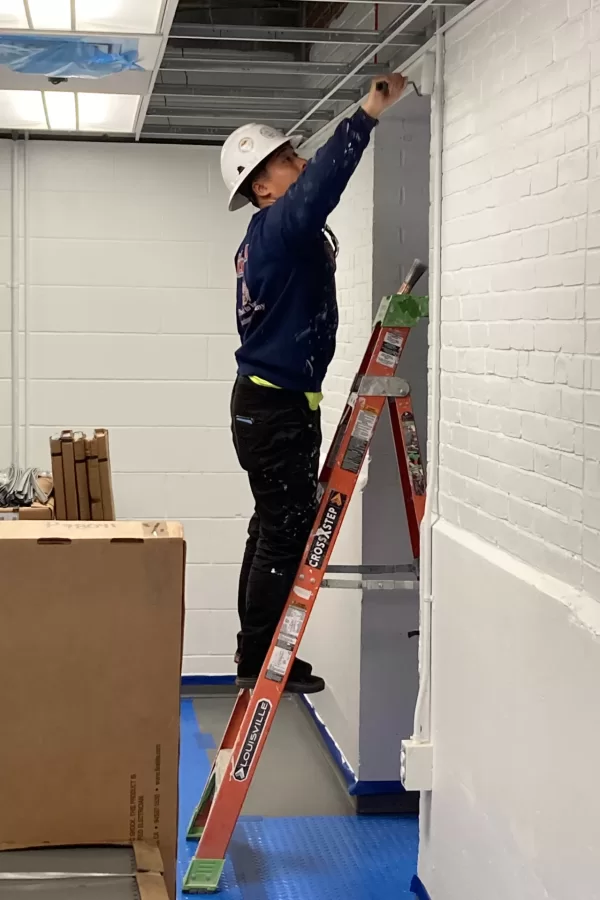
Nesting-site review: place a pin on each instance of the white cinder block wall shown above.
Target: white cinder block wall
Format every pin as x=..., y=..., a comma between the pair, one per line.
x=516, y=553
x=5, y=302
x=131, y=314
x=131, y=320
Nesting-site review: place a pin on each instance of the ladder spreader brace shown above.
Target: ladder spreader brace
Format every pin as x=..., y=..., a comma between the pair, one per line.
x=374, y=387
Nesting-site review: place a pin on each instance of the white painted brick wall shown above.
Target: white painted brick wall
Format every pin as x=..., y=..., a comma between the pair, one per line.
x=521, y=266
x=132, y=326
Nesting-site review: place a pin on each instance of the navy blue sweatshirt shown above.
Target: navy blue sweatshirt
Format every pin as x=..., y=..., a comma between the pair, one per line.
x=286, y=301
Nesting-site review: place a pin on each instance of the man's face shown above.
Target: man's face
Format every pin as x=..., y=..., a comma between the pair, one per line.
x=281, y=171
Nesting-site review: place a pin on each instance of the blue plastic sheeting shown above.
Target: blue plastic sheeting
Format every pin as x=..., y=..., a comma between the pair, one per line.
x=312, y=858
x=66, y=57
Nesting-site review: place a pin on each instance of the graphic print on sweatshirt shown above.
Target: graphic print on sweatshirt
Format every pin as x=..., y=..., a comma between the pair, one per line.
x=247, y=308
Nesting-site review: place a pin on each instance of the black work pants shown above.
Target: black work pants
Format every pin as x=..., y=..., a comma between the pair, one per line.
x=277, y=439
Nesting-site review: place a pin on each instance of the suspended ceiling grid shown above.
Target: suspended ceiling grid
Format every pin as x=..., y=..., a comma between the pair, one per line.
x=283, y=62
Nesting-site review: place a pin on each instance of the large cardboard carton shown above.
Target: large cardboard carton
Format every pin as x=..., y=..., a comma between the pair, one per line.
x=108, y=503
x=69, y=477
x=58, y=477
x=81, y=476
x=90, y=655
x=93, y=471
x=71, y=873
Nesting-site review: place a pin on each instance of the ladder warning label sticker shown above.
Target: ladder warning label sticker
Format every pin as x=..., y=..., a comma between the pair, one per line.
x=390, y=351
x=278, y=663
x=252, y=740
x=294, y=619
x=359, y=440
x=286, y=641
x=322, y=536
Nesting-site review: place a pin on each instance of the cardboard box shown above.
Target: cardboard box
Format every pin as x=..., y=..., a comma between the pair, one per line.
x=103, y=872
x=37, y=512
x=69, y=477
x=108, y=503
x=57, y=478
x=81, y=477
x=91, y=645
x=93, y=470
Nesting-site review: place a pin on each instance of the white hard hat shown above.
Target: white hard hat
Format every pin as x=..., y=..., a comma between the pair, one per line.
x=244, y=150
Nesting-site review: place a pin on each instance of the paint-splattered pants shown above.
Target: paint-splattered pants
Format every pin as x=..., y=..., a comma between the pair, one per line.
x=277, y=440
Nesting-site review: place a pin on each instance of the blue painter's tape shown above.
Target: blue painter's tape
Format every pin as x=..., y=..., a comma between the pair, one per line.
x=207, y=679
x=418, y=889
x=336, y=754
x=372, y=788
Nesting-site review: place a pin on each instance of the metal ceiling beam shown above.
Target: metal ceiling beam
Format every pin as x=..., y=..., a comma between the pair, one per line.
x=396, y=27
x=225, y=112
x=264, y=67
x=288, y=35
x=218, y=133
x=195, y=132
x=228, y=92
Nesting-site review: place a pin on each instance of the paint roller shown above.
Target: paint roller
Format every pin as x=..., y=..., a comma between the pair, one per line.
x=425, y=86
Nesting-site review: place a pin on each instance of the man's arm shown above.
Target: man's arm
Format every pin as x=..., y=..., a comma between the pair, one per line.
x=306, y=205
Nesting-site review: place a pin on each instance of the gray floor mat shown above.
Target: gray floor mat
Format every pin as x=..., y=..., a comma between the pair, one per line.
x=295, y=776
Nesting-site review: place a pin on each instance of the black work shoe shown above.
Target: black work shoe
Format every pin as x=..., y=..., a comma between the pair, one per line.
x=300, y=681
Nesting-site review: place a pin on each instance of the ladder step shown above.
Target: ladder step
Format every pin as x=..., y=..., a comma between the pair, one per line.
x=370, y=584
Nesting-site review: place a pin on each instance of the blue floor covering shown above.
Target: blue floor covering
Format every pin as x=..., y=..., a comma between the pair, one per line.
x=303, y=858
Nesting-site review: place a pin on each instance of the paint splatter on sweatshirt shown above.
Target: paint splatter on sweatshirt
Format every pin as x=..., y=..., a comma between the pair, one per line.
x=287, y=313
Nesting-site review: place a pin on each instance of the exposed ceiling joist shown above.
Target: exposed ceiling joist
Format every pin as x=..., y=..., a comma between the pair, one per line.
x=265, y=67
x=395, y=28
x=288, y=35
x=204, y=133
x=225, y=112
x=282, y=94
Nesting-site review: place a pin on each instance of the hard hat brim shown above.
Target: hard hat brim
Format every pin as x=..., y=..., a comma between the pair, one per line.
x=237, y=200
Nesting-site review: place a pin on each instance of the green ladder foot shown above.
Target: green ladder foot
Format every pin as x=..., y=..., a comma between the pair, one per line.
x=202, y=876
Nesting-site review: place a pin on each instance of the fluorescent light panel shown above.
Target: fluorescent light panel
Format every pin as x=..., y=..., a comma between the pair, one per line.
x=113, y=113
x=118, y=15
x=60, y=106
x=106, y=16
x=50, y=15
x=107, y=112
x=12, y=14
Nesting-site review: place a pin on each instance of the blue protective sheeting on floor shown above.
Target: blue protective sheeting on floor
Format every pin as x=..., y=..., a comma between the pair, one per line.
x=310, y=858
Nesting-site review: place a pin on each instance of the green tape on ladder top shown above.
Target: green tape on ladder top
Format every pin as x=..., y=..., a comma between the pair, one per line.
x=402, y=311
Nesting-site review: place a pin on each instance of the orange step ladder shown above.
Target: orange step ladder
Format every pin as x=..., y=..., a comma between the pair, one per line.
x=374, y=387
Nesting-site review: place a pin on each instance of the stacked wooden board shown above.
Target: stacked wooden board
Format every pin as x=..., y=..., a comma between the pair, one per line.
x=82, y=476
